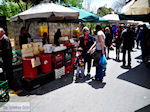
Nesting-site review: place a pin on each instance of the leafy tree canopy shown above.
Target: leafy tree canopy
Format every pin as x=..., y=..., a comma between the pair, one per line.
x=75, y=3
x=102, y=11
x=10, y=8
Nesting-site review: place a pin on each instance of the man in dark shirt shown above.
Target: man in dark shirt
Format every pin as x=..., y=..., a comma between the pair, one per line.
x=128, y=43
x=24, y=36
x=86, y=41
x=6, y=54
x=56, y=37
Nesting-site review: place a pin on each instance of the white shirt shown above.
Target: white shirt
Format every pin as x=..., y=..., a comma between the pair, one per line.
x=98, y=46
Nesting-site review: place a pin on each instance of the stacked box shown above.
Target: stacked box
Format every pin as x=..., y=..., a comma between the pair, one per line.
x=68, y=60
x=58, y=60
x=59, y=72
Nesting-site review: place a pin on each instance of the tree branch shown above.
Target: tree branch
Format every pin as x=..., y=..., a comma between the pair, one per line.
x=20, y=6
x=27, y=4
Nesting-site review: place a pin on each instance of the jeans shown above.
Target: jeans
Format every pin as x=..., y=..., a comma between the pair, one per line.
x=80, y=70
x=99, y=68
x=117, y=53
x=124, y=57
x=99, y=72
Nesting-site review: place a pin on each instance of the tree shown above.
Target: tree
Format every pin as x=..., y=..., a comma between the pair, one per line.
x=102, y=11
x=10, y=9
x=75, y=3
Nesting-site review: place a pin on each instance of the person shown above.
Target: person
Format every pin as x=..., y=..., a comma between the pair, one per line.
x=147, y=46
x=100, y=44
x=79, y=62
x=108, y=40
x=118, y=41
x=138, y=36
x=56, y=37
x=114, y=30
x=45, y=38
x=128, y=42
x=6, y=54
x=134, y=35
x=85, y=42
x=24, y=36
x=144, y=42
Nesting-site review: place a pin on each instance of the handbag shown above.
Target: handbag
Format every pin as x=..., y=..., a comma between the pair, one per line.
x=103, y=61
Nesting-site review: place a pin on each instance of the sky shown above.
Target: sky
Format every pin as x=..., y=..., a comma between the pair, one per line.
x=93, y=5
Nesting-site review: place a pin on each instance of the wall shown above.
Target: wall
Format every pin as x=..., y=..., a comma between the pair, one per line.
x=14, y=30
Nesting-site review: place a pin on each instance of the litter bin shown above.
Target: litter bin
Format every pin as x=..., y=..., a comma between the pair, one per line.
x=46, y=63
x=28, y=70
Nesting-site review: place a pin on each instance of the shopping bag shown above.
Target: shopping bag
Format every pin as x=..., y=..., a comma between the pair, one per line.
x=103, y=61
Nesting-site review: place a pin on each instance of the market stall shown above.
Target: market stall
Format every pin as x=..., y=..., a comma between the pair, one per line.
x=42, y=63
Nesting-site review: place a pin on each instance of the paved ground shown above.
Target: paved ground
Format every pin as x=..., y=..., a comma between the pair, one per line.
x=123, y=90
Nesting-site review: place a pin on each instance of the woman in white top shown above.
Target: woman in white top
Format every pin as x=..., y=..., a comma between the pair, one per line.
x=99, y=43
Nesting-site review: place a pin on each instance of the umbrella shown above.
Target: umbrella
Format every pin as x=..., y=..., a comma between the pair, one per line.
x=48, y=11
x=87, y=16
x=137, y=10
x=111, y=17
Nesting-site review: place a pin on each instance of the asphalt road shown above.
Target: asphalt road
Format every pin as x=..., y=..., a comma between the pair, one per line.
x=123, y=90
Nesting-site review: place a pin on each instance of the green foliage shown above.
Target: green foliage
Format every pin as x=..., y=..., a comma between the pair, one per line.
x=9, y=9
x=13, y=7
x=75, y=3
x=102, y=11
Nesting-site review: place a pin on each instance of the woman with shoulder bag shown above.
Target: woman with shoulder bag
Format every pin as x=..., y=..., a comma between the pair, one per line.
x=99, y=44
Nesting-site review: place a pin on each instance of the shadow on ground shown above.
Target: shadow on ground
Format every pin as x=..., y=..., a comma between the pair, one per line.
x=82, y=80
x=117, y=60
x=97, y=84
x=139, y=75
x=51, y=86
x=144, y=109
x=139, y=57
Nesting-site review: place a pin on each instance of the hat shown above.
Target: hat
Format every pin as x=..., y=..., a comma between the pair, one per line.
x=85, y=29
x=122, y=25
x=80, y=49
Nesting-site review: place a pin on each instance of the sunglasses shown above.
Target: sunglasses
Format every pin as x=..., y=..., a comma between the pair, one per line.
x=86, y=30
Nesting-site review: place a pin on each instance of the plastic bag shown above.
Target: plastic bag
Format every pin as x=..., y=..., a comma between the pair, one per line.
x=103, y=61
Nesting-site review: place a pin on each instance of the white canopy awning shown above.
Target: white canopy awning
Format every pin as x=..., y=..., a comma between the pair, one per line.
x=138, y=7
x=47, y=11
x=111, y=17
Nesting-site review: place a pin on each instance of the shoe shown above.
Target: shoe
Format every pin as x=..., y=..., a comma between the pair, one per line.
x=81, y=77
x=123, y=64
x=100, y=80
x=104, y=73
x=88, y=74
x=129, y=66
